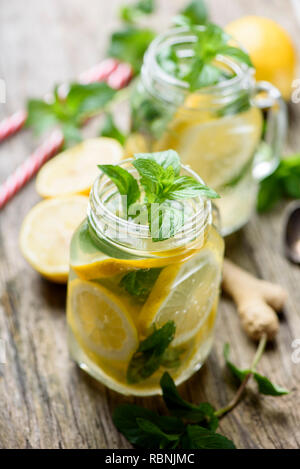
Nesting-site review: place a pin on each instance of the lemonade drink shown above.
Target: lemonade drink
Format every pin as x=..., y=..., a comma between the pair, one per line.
x=123, y=290
x=216, y=129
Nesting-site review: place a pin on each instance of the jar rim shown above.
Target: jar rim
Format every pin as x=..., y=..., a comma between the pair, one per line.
x=151, y=67
x=100, y=214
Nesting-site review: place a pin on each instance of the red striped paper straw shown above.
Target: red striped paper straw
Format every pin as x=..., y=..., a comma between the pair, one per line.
x=11, y=125
x=30, y=166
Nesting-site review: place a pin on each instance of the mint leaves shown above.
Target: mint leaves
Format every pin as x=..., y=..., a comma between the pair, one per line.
x=139, y=283
x=195, y=13
x=132, y=13
x=130, y=44
x=162, y=187
x=125, y=182
x=109, y=129
x=70, y=112
x=284, y=182
x=265, y=386
x=149, y=355
x=203, y=414
x=200, y=70
x=147, y=429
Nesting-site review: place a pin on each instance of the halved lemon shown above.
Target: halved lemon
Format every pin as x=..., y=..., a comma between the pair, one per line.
x=74, y=171
x=100, y=321
x=46, y=234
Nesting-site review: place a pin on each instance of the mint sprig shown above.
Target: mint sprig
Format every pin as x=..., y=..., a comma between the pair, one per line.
x=201, y=69
x=70, y=112
x=195, y=13
x=283, y=183
x=147, y=429
x=149, y=355
x=134, y=12
x=265, y=386
x=163, y=187
x=110, y=129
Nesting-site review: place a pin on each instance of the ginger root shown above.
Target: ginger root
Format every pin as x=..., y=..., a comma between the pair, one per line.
x=256, y=301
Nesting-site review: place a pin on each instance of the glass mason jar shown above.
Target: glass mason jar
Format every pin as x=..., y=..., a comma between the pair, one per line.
x=219, y=130
x=123, y=287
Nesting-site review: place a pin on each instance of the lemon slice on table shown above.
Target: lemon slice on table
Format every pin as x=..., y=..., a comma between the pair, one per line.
x=74, y=171
x=184, y=294
x=100, y=321
x=46, y=234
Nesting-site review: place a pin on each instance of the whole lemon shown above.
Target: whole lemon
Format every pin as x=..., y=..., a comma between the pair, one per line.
x=270, y=48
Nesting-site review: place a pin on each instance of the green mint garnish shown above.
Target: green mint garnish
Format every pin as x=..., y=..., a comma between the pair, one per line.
x=125, y=182
x=195, y=13
x=164, y=189
x=201, y=69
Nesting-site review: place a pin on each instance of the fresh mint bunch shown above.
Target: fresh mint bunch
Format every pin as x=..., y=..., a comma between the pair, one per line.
x=201, y=69
x=189, y=426
x=164, y=190
x=70, y=112
x=284, y=182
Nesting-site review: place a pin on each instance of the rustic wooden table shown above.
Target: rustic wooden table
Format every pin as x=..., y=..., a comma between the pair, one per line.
x=46, y=401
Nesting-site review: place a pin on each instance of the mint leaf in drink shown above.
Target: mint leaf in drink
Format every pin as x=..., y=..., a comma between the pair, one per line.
x=130, y=44
x=238, y=373
x=197, y=437
x=139, y=283
x=125, y=182
x=147, y=359
x=132, y=13
x=171, y=357
x=145, y=428
x=237, y=106
x=194, y=13
x=265, y=386
x=109, y=129
x=202, y=413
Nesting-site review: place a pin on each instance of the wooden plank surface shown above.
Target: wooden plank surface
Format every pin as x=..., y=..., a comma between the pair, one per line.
x=46, y=402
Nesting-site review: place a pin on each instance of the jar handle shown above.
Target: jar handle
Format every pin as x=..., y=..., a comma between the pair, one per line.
x=269, y=152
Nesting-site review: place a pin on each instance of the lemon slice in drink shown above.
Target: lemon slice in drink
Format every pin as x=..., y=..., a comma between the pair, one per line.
x=109, y=267
x=101, y=322
x=46, y=234
x=74, y=171
x=185, y=294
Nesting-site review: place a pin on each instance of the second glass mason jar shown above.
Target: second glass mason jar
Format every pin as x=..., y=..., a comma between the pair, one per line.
x=217, y=130
x=123, y=287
